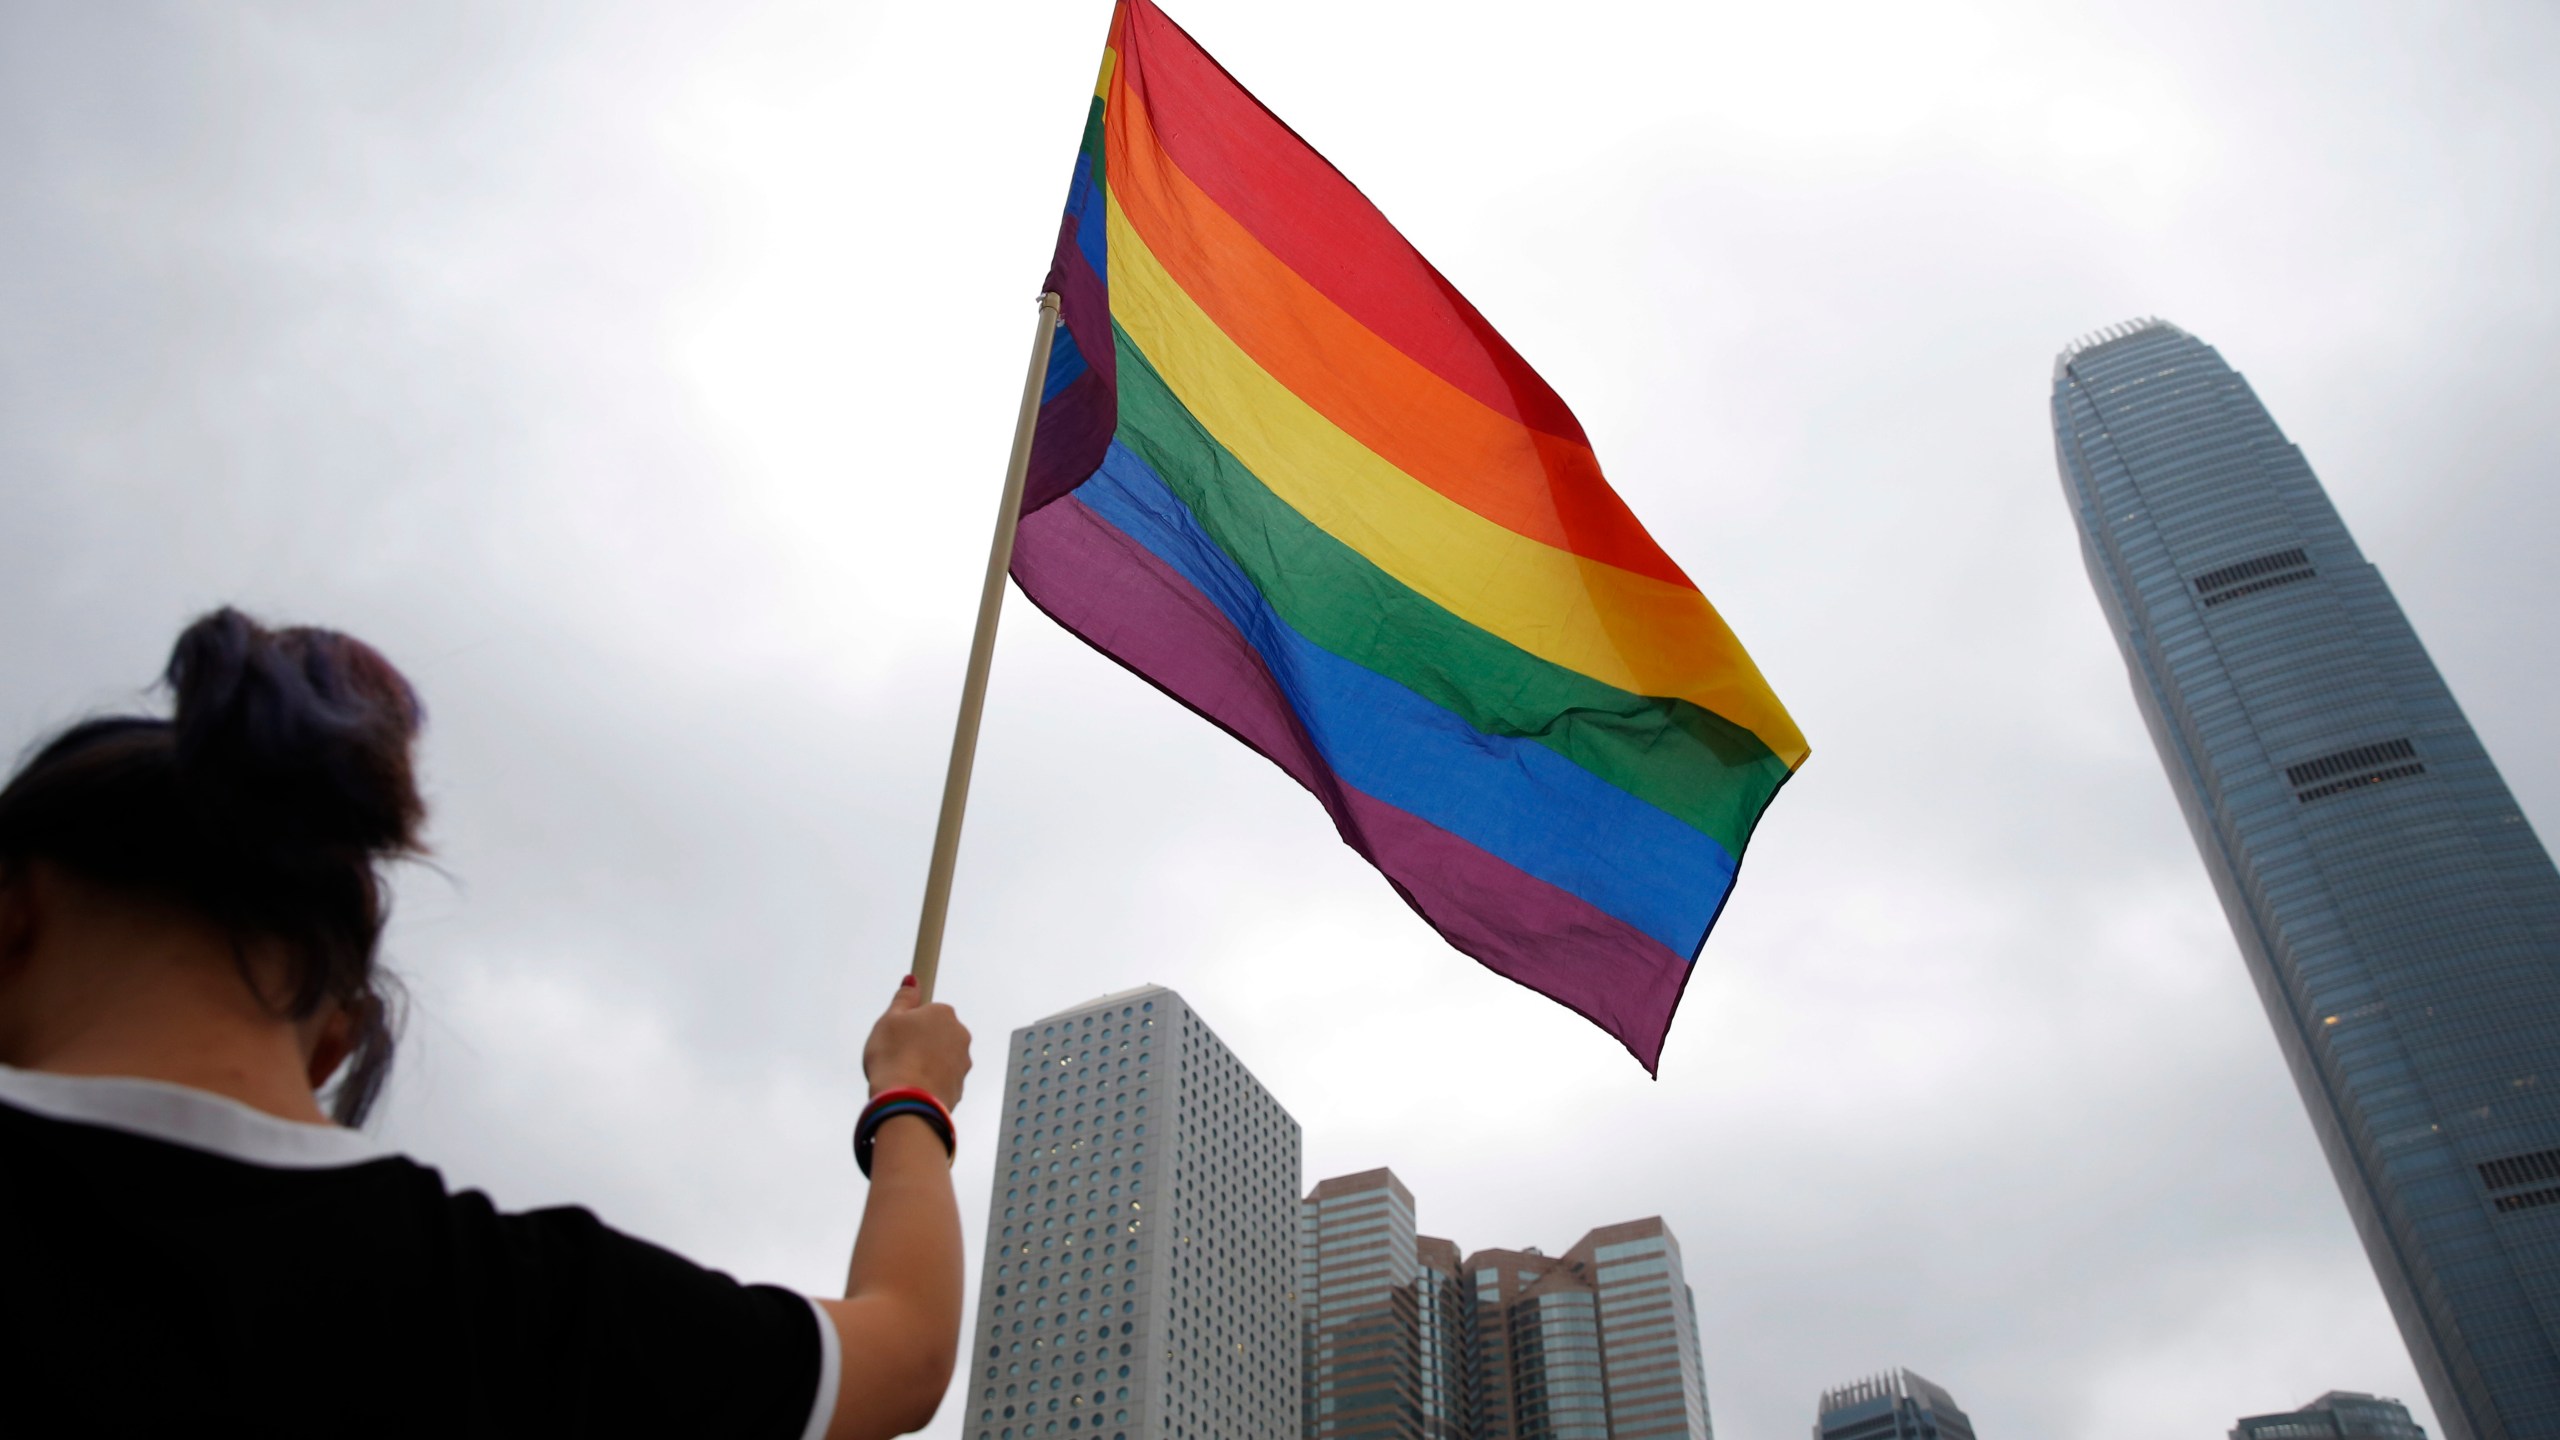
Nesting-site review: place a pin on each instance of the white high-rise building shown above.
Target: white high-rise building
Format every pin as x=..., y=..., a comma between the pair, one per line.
x=1141, y=1263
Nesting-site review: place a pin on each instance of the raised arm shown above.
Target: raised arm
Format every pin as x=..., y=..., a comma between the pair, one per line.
x=899, y=1320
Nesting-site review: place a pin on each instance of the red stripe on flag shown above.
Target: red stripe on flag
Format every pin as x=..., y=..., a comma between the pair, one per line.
x=1318, y=222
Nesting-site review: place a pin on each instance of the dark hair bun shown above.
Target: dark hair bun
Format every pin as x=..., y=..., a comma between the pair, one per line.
x=299, y=738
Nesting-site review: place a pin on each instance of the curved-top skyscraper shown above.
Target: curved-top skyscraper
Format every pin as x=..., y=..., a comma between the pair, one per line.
x=2400, y=918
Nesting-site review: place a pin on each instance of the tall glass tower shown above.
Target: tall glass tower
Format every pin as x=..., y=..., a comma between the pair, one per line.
x=2399, y=917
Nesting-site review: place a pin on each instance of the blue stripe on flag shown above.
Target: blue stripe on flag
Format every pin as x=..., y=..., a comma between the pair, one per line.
x=1511, y=797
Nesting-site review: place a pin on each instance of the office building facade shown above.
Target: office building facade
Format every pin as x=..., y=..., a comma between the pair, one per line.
x=1405, y=1340
x=1896, y=1405
x=2399, y=917
x=1141, y=1258
x=1359, y=1264
x=2338, y=1415
x=1649, y=1349
x=1543, y=1374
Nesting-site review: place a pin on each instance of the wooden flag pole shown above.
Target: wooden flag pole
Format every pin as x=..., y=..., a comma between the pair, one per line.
x=982, y=652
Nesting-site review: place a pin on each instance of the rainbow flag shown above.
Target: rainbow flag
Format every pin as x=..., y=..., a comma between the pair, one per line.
x=1288, y=475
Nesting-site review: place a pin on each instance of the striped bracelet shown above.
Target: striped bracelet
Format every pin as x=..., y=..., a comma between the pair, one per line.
x=888, y=1105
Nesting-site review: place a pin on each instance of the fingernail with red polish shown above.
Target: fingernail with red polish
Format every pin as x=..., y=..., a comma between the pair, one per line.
x=906, y=981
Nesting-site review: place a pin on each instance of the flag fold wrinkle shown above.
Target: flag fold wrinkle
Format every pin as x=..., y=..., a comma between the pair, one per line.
x=1288, y=475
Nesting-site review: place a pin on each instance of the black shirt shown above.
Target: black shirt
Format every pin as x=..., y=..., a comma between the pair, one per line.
x=175, y=1263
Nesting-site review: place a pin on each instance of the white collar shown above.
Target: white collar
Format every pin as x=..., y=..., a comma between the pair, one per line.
x=184, y=1115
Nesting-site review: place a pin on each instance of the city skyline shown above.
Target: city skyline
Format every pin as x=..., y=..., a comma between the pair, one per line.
x=1408, y=1339
x=2388, y=895
x=1439, y=1344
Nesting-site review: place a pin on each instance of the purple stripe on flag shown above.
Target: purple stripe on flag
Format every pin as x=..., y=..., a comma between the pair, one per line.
x=1084, y=304
x=1073, y=435
x=1075, y=427
x=1122, y=600
x=1520, y=927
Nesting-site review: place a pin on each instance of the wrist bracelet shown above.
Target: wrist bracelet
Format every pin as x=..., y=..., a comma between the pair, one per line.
x=887, y=1106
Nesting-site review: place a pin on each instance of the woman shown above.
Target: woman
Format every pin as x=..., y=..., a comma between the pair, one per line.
x=189, y=910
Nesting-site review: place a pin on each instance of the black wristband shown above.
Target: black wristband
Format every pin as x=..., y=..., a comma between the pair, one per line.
x=889, y=1105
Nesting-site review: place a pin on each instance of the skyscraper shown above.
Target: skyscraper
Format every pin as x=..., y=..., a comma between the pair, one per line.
x=1445, y=1315
x=1141, y=1239
x=1897, y=1405
x=1406, y=1341
x=1359, y=1264
x=2397, y=913
x=1648, y=1332
x=2338, y=1415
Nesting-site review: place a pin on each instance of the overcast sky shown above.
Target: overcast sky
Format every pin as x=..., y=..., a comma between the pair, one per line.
x=639, y=376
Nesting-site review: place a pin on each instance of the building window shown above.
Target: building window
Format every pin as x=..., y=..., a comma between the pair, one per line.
x=2249, y=577
x=2353, y=768
x=2521, y=1169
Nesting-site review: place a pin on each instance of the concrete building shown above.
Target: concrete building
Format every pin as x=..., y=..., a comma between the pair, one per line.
x=1407, y=1341
x=1897, y=1405
x=1141, y=1238
x=2396, y=911
x=2338, y=1415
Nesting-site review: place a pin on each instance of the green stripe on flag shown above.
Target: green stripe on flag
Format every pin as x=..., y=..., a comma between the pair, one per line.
x=1697, y=766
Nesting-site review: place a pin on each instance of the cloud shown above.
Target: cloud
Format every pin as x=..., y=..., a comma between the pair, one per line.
x=638, y=376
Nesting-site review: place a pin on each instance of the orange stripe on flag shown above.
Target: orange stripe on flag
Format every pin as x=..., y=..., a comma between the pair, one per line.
x=1534, y=484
